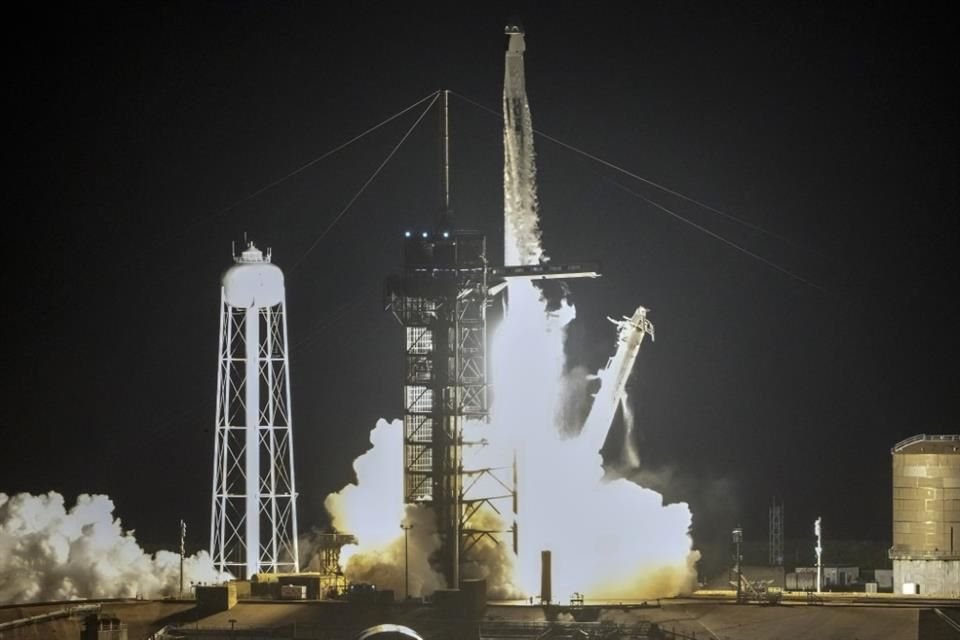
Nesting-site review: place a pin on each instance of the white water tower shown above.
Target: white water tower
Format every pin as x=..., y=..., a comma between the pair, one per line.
x=254, y=511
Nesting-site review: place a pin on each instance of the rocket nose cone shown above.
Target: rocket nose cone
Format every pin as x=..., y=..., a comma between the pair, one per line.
x=516, y=43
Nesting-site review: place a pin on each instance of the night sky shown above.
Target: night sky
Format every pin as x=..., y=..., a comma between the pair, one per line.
x=132, y=131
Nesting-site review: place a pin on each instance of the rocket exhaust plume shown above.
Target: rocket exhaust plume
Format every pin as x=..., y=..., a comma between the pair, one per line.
x=610, y=538
x=51, y=552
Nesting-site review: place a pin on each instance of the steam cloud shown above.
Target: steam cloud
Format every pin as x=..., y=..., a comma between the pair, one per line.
x=50, y=552
x=372, y=509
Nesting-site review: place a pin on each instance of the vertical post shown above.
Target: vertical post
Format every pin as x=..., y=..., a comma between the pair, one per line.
x=819, y=550
x=252, y=433
x=219, y=429
x=546, y=578
x=446, y=151
x=271, y=433
x=406, y=566
x=289, y=426
x=183, y=542
x=516, y=506
x=738, y=540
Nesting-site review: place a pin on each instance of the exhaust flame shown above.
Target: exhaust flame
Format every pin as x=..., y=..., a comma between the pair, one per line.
x=49, y=552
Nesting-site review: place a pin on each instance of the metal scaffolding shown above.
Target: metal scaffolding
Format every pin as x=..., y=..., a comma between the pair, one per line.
x=776, y=535
x=253, y=513
x=441, y=301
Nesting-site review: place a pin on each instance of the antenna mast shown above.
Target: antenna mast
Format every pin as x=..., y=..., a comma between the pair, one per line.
x=445, y=155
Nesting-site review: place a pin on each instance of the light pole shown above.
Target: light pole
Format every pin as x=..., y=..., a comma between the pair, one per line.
x=183, y=542
x=819, y=550
x=406, y=572
x=738, y=539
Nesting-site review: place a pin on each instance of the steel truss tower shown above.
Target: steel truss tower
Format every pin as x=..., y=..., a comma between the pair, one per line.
x=254, y=509
x=441, y=301
x=776, y=535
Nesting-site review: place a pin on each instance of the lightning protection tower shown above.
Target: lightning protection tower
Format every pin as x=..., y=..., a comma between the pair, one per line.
x=254, y=511
x=776, y=534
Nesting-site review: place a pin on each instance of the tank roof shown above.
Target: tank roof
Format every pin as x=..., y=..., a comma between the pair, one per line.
x=925, y=443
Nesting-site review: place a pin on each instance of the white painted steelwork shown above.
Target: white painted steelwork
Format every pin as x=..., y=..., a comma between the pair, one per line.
x=254, y=511
x=819, y=550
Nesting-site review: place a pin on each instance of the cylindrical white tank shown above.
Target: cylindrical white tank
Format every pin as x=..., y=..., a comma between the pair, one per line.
x=253, y=281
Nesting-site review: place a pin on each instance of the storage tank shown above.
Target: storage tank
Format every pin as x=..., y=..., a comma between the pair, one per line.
x=926, y=514
x=254, y=510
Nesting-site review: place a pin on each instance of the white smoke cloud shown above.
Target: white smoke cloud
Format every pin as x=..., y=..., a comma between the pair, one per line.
x=492, y=560
x=50, y=552
x=576, y=388
x=372, y=509
x=608, y=537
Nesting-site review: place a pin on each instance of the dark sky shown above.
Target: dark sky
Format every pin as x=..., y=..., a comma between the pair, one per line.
x=131, y=130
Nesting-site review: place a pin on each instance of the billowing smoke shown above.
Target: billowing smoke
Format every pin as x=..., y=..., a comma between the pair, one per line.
x=631, y=456
x=577, y=387
x=608, y=537
x=50, y=552
x=373, y=509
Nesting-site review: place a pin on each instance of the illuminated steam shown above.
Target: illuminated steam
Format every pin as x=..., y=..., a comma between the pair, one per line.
x=373, y=510
x=609, y=538
x=50, y=552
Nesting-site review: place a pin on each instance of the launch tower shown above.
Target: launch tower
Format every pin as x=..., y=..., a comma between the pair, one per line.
x=441, y=300
x=254, y=511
